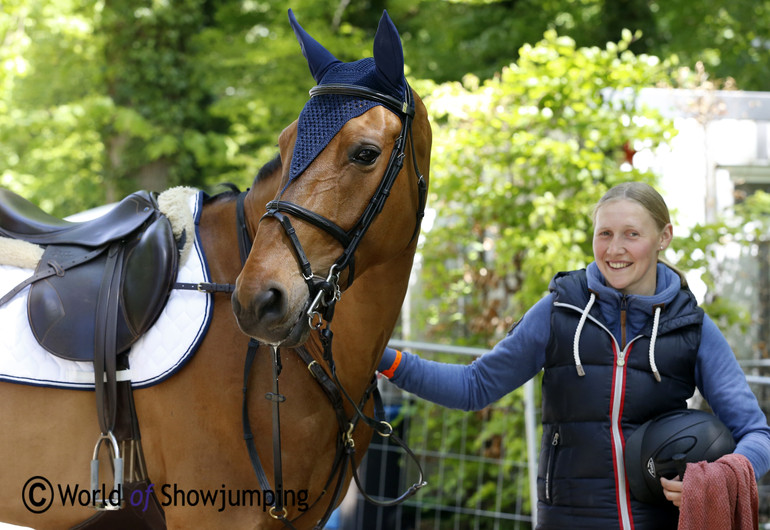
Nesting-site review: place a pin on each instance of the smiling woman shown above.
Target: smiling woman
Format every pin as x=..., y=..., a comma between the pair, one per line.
x=621, y=342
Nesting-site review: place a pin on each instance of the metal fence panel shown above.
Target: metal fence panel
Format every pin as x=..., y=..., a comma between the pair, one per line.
x=475, y=480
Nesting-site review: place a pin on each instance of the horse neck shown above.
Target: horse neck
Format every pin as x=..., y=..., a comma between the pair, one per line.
x=256, y=200
x=220, y=240
x=219, y=230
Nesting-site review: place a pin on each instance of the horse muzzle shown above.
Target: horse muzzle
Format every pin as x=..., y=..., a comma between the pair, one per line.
x=270, y=317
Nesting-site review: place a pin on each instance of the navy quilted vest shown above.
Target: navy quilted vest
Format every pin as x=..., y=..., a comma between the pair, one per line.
x=586, y=420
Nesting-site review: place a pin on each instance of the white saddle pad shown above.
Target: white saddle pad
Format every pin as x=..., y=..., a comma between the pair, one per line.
x=158, y=354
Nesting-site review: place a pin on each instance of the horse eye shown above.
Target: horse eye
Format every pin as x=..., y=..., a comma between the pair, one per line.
x=366, y=156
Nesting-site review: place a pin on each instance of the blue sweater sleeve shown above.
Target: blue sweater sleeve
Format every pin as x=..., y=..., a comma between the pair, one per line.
x=511, y=363
x=723, y=384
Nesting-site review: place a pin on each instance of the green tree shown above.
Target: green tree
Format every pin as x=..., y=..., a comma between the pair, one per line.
x=731, y=37
x=50, y=113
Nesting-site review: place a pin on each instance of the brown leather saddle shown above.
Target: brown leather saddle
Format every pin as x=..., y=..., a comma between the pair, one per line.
x=101, y=283
x=98, y=287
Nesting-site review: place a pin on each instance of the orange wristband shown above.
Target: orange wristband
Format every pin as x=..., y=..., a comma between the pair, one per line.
x=392, y=370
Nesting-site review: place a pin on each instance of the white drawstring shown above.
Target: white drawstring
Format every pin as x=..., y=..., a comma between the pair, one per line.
x=655, y=320
x=575, y=348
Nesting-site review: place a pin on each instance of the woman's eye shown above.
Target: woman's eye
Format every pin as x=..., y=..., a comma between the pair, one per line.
x=366, y=156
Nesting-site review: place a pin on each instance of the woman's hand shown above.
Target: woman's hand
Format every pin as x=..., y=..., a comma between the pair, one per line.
x=672, y=489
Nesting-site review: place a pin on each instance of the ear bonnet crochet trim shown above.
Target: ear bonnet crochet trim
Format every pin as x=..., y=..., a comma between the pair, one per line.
x=324, y=115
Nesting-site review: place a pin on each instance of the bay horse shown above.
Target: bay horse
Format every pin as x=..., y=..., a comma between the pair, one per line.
x=324, y=245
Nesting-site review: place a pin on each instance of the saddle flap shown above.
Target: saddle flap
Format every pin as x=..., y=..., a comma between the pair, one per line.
x=62, y=320
x=150, y=271
x=62, y=308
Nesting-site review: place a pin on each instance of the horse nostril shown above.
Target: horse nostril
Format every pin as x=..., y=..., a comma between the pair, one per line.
x=270, y=304
x=263, y=313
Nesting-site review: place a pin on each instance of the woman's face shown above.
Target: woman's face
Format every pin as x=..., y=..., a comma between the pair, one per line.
x=626, y=245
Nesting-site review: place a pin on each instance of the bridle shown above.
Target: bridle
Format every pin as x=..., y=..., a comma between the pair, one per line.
x=324, y=294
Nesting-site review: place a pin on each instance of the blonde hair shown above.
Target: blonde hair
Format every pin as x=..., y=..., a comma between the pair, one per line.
x=649, y=199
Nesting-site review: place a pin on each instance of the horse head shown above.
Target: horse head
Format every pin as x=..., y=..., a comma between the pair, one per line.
x=363, y=137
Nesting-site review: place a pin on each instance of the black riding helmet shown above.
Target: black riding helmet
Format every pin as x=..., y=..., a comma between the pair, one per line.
x=663, y=446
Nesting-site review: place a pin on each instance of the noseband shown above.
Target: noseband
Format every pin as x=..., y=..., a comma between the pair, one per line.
x=324, y=292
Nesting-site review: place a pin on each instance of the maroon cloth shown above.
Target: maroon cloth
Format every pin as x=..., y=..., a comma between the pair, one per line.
x=719, y=495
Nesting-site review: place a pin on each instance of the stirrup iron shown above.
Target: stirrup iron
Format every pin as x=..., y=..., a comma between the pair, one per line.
x=103, y=500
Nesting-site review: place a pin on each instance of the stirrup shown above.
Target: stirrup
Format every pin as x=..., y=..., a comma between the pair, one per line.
x=101, y=499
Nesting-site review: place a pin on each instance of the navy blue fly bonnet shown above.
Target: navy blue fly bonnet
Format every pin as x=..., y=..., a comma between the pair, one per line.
x=324, y=115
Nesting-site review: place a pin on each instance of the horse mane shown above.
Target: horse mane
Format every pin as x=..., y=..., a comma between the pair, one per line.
x=232, y=190
x=267, y=170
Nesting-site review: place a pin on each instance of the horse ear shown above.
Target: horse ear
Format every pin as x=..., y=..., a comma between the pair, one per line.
x=319, y=59
x=389, y=55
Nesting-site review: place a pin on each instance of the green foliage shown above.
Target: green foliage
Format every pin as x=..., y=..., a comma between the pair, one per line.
x=99, y=99
x=753, y=214
x=519, y=161
x=482, y=36
x=747, y=224
x=729, y=36
x=50, y=152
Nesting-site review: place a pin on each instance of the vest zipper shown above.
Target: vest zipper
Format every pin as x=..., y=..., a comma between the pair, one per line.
x=616, y=413
x=549, y=468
